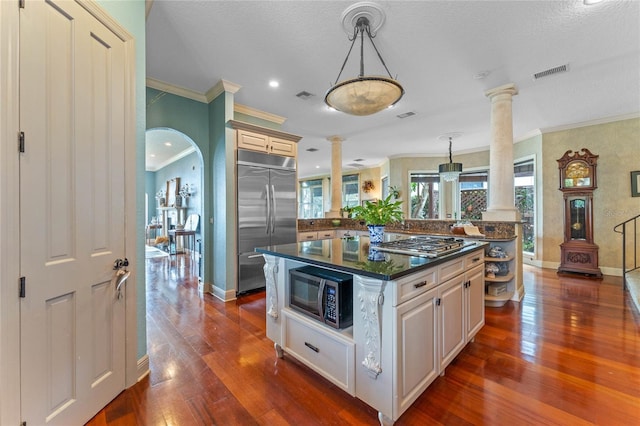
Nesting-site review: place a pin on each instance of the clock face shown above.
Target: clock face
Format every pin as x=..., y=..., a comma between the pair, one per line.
x=577, y=174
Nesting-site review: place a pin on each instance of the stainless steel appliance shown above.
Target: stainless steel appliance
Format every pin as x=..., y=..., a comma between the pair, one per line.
x=424, y=245
x=266, y=211
x=322, y=294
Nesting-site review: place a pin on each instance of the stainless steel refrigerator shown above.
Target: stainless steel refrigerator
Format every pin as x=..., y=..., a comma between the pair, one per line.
x=267, y=211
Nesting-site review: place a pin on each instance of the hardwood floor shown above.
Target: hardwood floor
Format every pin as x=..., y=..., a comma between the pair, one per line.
x=568, y=354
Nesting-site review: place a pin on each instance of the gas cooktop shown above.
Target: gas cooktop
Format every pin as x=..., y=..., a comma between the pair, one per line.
x=424, y=246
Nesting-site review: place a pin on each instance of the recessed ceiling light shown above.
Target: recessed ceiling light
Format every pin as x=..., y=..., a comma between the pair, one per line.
x=274, y=83
x=152, y=156
x=590, y=2
x=317, y=167
x=167, y=144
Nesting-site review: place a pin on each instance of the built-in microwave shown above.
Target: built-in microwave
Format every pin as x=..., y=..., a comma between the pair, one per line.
x=323, y=294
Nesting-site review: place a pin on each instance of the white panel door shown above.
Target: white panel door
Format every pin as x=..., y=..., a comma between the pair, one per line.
x=72, y=91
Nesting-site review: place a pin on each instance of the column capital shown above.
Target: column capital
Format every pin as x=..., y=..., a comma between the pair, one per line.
x=335, y=138
x=507, y=89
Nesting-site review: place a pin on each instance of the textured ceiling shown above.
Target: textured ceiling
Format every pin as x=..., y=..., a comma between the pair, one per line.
x=436, y=48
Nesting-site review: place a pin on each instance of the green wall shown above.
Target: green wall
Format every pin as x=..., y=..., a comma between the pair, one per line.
x=131, y=15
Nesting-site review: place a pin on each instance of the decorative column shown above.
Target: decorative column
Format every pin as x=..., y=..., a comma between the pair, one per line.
x=336, y=176
x=501, y=206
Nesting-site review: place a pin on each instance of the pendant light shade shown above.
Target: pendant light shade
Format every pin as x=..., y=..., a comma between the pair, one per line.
x=363, y=95
x=450, y=171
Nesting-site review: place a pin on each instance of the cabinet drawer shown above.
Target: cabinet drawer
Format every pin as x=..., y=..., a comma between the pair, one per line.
x=323, y=350
x=307, y=236
x=323, y=235
x=409, y=287
x=474, y=259
x=451, y=269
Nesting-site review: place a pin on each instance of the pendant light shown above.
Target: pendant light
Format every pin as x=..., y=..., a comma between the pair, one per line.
x=363, y=95
x=450, y=171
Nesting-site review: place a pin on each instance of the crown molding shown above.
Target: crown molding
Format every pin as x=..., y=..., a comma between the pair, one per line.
x=594, y=122
x=243, y=109
x=221, y=87
x=176, y=90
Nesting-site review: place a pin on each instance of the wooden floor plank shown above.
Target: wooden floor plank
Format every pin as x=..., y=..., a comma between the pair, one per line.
x=567, y=354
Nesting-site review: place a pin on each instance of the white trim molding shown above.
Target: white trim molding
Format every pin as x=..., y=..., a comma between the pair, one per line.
x=243, y=109
x=9, y=215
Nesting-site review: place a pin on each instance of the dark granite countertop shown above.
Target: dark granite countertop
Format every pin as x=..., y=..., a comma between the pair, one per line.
x=352, y=254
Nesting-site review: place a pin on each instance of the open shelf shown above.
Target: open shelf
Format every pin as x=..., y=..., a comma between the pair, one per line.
x=499, y=278
x=498, y=259
x=497, y=301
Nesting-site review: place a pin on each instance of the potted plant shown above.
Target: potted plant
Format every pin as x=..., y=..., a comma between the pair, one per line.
x=377, y=214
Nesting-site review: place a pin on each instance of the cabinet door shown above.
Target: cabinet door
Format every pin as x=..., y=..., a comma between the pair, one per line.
x=451, y=315
x=282, y=147
x=253, y=141
x=474, y=301
x=417, y=367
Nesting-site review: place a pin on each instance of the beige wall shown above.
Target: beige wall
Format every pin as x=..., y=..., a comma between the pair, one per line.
x=618, y=145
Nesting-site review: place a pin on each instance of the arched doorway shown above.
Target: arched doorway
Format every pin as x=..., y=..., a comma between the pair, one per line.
x=173, y=162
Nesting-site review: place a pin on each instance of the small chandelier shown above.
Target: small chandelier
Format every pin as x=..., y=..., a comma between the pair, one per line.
x=363, y=95
x=450, y=171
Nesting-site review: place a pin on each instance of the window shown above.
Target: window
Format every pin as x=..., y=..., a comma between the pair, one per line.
x=424, y=195
x=385, y=187
x=525, y=202
x=310, y=205
x=350, y=191
x=473, y=195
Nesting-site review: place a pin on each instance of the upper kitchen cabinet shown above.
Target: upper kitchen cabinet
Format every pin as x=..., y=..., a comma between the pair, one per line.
x=263, y=139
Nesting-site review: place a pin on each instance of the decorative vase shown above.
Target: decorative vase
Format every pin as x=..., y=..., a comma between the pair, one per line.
x=178, y=201
x=376, y=233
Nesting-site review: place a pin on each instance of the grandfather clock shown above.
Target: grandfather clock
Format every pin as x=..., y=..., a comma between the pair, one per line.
x=578, y=252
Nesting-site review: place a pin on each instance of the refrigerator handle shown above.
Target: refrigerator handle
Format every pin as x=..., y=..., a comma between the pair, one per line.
x=266, y=187
x=274, y=209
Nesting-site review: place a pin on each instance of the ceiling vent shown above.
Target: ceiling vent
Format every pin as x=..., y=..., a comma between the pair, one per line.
x=355, y=165
x=406, y=114
x=551, y=71
x=312, y=149
x=304, y=95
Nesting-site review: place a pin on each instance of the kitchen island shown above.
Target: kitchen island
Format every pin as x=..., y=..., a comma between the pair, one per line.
x=411, y=316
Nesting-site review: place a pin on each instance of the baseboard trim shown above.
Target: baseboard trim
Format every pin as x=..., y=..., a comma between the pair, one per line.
x=143, y=369
x=224, y=295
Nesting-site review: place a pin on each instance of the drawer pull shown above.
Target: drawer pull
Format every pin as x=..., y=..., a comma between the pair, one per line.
x=421, y=284
x=310, y=346
x=475, y=259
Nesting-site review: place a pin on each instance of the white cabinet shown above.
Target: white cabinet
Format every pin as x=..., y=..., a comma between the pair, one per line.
x=416, y=348
x=328, y=352
x=405, y=332
x=264, y=143
x=451, y=314
x=474, y=301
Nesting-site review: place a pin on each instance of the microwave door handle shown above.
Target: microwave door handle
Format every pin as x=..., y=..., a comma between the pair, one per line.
x=267, y=227
x=321, y=298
